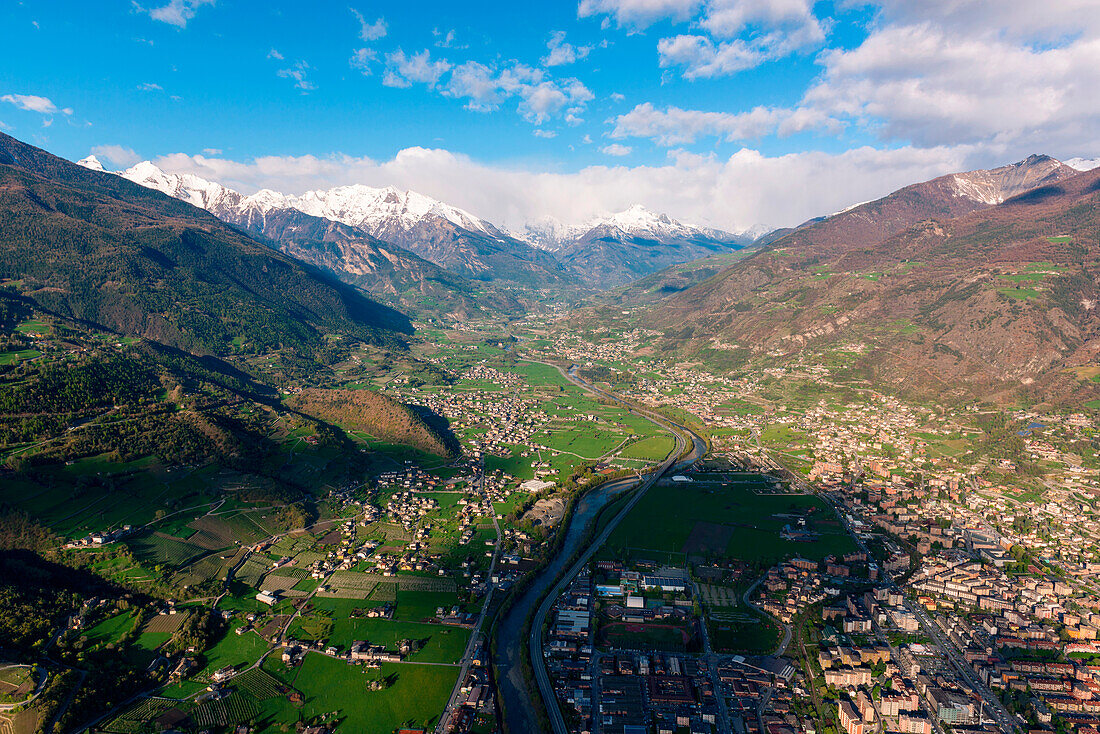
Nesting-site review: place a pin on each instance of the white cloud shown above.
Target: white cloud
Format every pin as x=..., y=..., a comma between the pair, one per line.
x=748, y=32
x=616, y=149
x=701, y=58
x=121, y=157
x=212, y=151
x=785, y=25
x=369, y=31
x=274, y=54
x=1014, y=81
x=178, y=12
x=1013, y=77
x=362, y=60
x=404, y=71
x=675, y=126
x=485, y=88
x=446, y=40
x=639, y=14
x=541, y=133
x=298, y=73
x=34, y=103
x=150, y=87
x=561, y=52
x=735, y=193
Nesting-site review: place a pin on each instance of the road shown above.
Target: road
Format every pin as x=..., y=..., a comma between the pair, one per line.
x=475, y=641
x=1003, y=719
x=518, y=700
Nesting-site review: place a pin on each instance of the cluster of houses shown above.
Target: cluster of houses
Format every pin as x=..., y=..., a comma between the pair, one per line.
x=626, y=691
x=508, y=418
x=102, y=537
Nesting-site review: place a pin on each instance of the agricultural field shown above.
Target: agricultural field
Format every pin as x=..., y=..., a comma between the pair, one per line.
x=112, y=629
x=654, y=448
x=17, y=682
x=234, y=650
x=414, y=697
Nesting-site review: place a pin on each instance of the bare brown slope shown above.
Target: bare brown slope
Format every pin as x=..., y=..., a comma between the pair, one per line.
x=380, y=416
x=984, y=305
x=946, y=197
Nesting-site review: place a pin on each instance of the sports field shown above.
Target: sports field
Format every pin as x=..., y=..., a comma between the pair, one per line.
x=728, y=519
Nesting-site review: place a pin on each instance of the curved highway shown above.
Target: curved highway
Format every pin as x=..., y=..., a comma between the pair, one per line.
x=518, y=700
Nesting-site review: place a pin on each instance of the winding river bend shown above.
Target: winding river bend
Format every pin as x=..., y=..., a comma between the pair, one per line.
x=520, y=698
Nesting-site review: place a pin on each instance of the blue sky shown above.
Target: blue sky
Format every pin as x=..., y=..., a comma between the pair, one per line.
x=729, y=112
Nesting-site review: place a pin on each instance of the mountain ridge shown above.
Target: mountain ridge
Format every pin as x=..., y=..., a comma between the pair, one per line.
x=991, y=302
x=448, y=237
x=101, y=249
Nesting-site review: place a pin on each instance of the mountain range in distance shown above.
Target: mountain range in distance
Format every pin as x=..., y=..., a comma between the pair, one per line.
x=602, y=253
x=100, y=250
x=411, y=250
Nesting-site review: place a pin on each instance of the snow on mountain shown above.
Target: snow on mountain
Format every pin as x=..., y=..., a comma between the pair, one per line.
x=91, y=162
x=1083, y=164
x=208, y=195
x=379, y=211
x=549, y=233
x=385, y=209
x=637, y=221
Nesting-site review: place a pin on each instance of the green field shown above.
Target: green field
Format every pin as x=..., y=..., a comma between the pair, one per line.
x=440, y=643
x=7, y=358
x=113, y=628
x=239, y=651
x=757, y=637
x=413, y=606
x=415, y=698
x=1019, y=293
x=654, y=448
x=737, y=522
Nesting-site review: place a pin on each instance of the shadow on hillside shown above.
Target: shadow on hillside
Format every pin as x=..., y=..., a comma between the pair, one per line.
x=440, y=426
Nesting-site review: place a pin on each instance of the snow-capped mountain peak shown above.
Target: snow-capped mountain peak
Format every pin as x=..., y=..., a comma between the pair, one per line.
x=549, y=233
x=638, y=221
x=378, y=209
x=187, y=187
x=91, y=162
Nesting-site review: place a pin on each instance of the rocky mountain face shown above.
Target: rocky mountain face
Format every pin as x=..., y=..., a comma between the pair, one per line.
x=979, y=285
x=389, y=272
x=866, y=225
x=601, y=253
x=395, y=221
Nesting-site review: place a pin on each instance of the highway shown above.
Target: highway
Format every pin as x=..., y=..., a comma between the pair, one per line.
x=518, y=700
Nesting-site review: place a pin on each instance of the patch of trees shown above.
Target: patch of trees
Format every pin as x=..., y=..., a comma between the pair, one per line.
x=100, y=382
x=380, y=416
